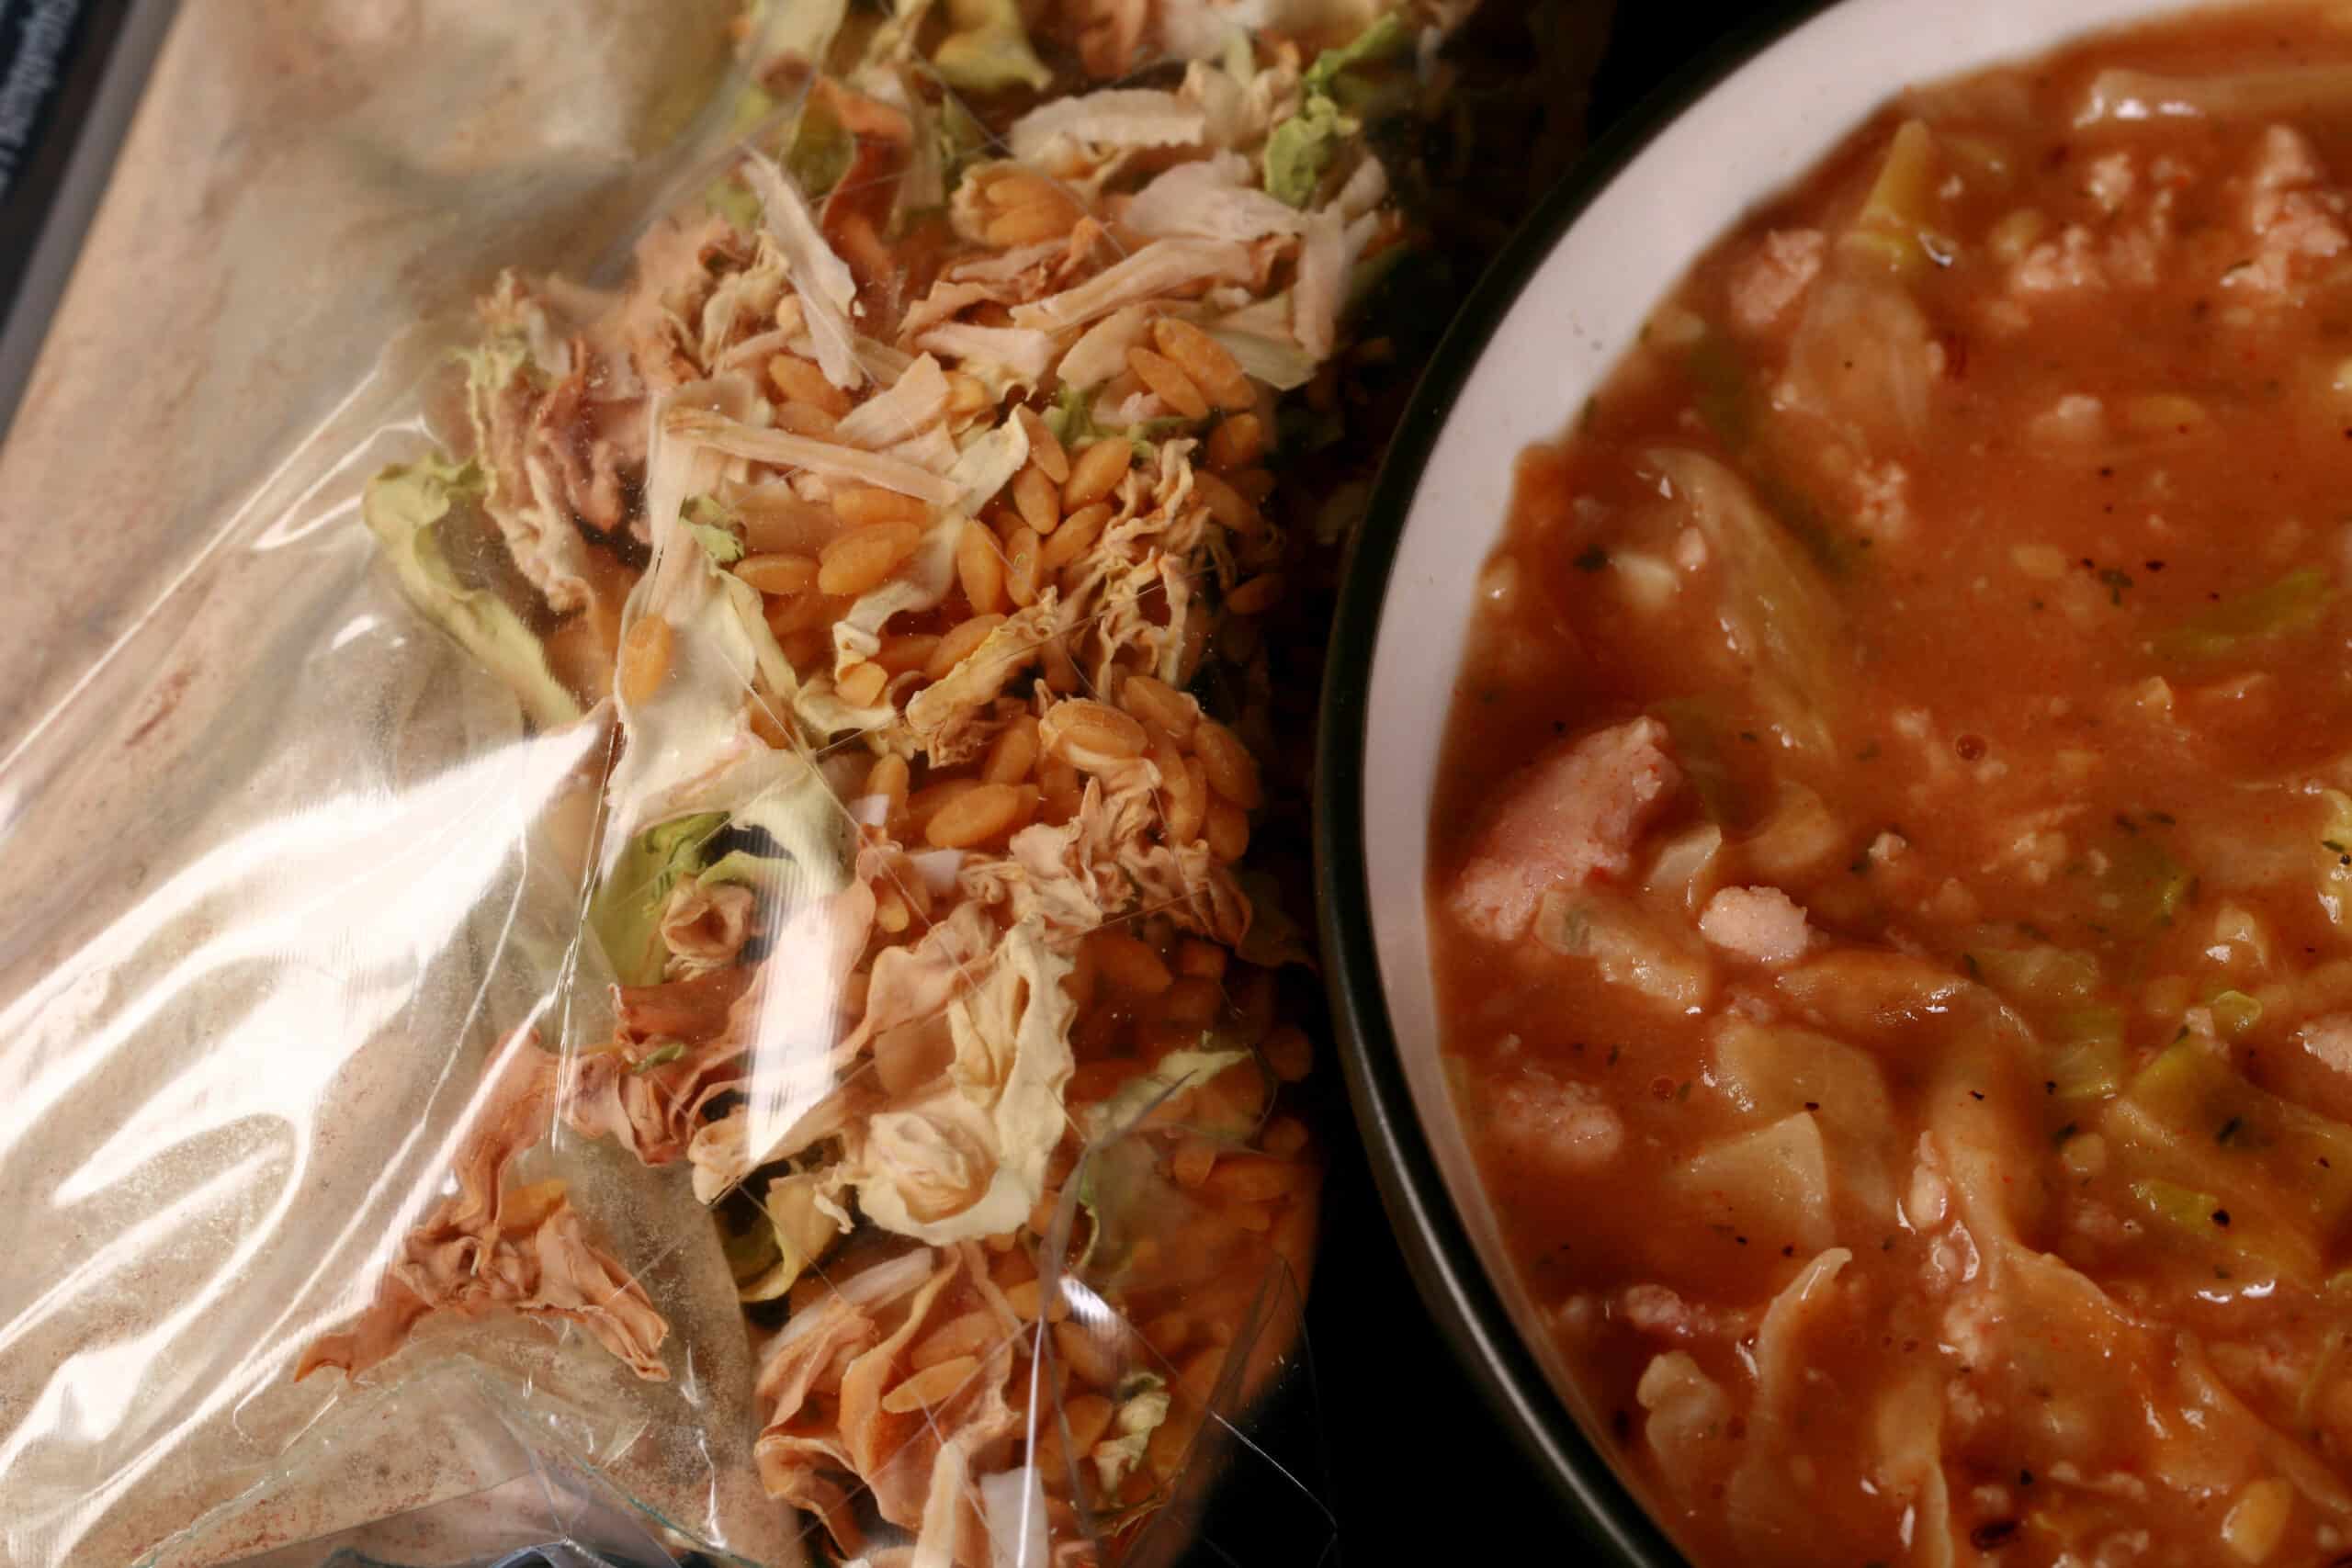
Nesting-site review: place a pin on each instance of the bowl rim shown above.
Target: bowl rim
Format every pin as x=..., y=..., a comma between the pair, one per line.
x=1435, y=1242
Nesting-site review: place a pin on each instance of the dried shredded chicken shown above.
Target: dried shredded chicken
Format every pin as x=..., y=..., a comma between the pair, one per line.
x=496, y=1247
x=919, y=848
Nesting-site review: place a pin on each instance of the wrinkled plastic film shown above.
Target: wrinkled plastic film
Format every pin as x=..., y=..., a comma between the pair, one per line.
x=464, y=1099
x=287, y=862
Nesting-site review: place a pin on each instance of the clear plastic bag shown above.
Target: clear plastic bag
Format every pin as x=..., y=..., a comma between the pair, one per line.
x=455, y=1103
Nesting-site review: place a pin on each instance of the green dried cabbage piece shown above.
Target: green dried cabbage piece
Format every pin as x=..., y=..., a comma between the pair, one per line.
x=1302, y=147
x=713, y=525
x=987, y=49
x=2296, y=603
x=404, y=507
x=1385, y=40
x=625, y=913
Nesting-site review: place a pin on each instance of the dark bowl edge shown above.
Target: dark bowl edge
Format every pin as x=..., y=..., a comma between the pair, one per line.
x=1435, y=1243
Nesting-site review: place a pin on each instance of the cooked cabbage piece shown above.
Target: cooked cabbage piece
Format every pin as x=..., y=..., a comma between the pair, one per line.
x=1778, y=1072
x=1892, y=229
x=2294, y=603
x=1771, y=1185
x=1631, y=945
x=2126, y=96
x=1778, y=611
x=2277, y=1170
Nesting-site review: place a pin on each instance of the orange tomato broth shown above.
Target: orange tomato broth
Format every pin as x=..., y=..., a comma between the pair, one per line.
x=2044, y=752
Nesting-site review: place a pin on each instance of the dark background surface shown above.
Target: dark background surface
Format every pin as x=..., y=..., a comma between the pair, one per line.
x=70, y=72
x=1386, y=1429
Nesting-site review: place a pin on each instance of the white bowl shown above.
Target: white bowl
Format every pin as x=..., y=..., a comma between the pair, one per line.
x=1553, y=315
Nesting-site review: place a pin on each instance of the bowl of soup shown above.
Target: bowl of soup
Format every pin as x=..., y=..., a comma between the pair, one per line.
x=1836, y=802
